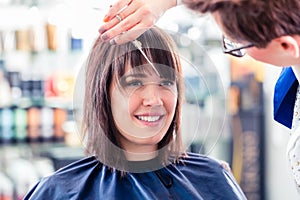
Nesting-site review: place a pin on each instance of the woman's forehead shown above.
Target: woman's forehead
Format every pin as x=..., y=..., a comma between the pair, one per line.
x=148, y=69
x=140, y=69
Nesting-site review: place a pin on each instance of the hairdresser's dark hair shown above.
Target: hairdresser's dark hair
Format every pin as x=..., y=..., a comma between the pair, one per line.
x=104, y=62
x=254, y=21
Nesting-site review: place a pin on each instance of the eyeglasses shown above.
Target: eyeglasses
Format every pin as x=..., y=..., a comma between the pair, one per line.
x=234, y=48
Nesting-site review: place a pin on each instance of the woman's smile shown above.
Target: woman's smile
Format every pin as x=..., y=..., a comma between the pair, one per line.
x=150, y=120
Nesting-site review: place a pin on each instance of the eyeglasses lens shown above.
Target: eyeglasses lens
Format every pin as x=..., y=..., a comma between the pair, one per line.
x=233, y=48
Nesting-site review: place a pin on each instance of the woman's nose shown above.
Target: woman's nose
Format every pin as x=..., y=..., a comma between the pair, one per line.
x=152, y=95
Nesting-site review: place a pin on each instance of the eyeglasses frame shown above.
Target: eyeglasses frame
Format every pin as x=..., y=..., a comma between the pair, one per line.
x=230, y=51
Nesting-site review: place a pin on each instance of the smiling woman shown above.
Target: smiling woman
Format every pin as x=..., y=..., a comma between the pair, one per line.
x=128, y=94
x=131, y=126
x=143, y=107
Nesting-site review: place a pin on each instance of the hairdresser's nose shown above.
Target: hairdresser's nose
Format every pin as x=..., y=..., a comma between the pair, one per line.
x=152, y=96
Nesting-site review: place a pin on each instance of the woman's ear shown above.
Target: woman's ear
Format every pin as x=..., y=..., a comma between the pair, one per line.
x=290, y=44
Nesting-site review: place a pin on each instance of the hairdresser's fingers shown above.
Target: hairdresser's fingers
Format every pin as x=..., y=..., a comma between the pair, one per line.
x=130, y=35
x=130, y=28
x=143, y=12
x=115, y=9
x=119, y=29
x=118, y=18
x=107, y=26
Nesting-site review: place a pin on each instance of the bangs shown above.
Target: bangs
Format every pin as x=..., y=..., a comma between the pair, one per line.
x=163, y=61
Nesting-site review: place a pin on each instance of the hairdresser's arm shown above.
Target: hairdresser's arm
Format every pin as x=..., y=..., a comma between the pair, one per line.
x=137, y=17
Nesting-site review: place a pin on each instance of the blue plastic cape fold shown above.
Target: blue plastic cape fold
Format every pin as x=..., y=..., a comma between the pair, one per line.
x=198, y=177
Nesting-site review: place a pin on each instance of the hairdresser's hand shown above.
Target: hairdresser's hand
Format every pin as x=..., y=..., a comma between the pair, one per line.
x=128, y=19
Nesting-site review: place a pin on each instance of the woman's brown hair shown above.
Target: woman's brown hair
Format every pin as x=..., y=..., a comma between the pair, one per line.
x=104, y=62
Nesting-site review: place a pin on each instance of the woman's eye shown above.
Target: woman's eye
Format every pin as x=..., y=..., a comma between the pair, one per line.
x=167, y=83
x=134, y=83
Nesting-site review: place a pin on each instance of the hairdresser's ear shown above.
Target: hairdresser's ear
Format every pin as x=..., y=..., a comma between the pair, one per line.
x=290, y=44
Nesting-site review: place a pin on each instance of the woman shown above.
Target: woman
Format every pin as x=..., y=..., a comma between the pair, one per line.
x=131, y=120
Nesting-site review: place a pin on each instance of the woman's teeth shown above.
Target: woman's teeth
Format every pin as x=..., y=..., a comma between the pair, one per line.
x=148, y=118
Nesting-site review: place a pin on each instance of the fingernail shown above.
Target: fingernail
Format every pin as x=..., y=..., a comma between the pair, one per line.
x=106, y=18
x=101, y=30
x=112, y=42
x=104, y=37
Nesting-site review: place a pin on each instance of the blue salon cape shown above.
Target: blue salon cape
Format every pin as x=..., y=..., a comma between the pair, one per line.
x=285, y=96
x=198, y=177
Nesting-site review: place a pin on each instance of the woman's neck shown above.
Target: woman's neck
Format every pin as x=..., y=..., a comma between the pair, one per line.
x=132, y=156
x=139, y=152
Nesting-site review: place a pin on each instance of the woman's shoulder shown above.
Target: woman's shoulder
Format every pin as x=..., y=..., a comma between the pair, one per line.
x=76, y=170
x=67, y=178
x=204, y=164
x=207, y=172
x=79, y=166
x=200, y=160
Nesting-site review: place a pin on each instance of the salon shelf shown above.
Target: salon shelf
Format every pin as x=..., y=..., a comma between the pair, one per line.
x=58, y=152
